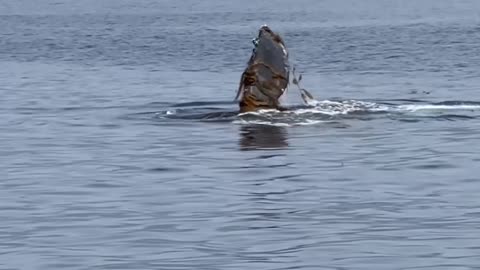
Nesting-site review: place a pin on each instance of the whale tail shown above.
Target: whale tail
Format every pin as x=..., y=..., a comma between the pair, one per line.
x=267, y=75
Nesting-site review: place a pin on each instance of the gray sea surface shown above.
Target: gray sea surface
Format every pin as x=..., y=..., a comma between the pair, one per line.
x=121, y=146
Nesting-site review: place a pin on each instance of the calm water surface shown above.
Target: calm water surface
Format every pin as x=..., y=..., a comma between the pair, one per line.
x=121, y=148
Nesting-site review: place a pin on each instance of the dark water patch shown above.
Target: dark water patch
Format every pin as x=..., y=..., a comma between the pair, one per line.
x=269, y=156
x=434, y=166
x=204, y=117
x=255, y=137
x=457, y=103
x=103, y=185
x=165, y=170
x=202, y=103
x=453, y=117
x=426, y=118
x=398, y=101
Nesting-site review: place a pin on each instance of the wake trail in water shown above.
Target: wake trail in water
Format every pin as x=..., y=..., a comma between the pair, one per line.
x=333, y=111
x=325, y=111
x=433, y=107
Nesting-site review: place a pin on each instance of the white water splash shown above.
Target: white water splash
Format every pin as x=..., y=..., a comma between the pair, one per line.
x=329, y=111
x=343, y=107
x=325, y=111
x=259, y=122
x=432, y=107
x=305, y=122
x=260, y=112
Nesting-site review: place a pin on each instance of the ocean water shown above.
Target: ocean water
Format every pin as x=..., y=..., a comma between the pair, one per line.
x=121, y=146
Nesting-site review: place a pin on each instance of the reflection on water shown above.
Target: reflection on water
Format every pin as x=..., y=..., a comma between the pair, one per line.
x=254, y=137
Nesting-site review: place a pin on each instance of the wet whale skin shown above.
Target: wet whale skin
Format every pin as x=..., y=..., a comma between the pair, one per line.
x=266, y=76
